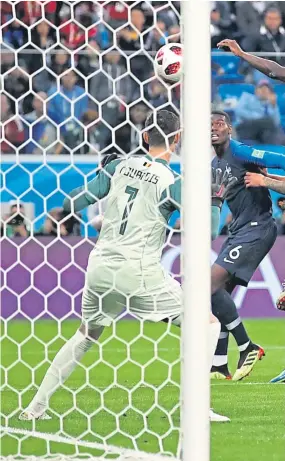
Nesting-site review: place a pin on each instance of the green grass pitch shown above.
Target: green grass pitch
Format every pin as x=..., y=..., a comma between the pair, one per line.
x=255, y=407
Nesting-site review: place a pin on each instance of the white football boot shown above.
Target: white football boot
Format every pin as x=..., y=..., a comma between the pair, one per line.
x=30, y=415
x=215, y=418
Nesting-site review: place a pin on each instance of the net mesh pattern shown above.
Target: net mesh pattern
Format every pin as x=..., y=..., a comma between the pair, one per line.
x=77, y=83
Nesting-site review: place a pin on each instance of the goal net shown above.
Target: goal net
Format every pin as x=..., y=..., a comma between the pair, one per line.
x=77, y=84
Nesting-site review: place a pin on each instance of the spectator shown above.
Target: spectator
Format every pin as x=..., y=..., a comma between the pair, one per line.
x=128, y=138
x=223, y=19
x=281, y=219
x=14, y=224
x=112, y=80
x=7, y=61
x=258, y=117
x=156, y=38
x=215, y=30
x=42, y=133
x=115, y=14
x=15, y=34
x=249, y=17
x=221, y=23
x=12, y=128
x=60, y=61
x=60, y=104
x=42, y=40
x=157, y=93
x=174, y=34
x=130, y=40
x=16, y=83
x=98, y=135
x=43, y=35
x=167, y=14
x=87, y=62
x=73, y=36
x=271, y=36
x=56, y=225
x=29, y=12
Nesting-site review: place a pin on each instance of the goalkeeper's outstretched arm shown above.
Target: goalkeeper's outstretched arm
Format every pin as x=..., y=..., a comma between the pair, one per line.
x=96, y=189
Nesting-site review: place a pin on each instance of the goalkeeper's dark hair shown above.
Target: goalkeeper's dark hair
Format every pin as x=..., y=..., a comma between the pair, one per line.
x=221, y=112
x=162, y=126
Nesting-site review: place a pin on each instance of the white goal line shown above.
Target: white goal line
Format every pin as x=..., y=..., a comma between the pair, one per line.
x=125, y=454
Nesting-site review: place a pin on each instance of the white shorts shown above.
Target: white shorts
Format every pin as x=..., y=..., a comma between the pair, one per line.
x=117, y=288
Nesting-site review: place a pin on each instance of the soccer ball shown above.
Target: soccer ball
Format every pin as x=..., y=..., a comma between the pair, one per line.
x=168, y=62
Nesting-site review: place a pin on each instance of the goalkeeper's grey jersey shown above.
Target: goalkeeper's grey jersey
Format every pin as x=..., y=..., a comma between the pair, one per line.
x=142, y=194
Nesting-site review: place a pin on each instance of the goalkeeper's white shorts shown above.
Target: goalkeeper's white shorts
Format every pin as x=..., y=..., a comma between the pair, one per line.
x=115, y=289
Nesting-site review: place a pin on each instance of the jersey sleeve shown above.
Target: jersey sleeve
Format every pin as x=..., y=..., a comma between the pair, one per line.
x=215, y=221
x=95, y=190
x=259, y=157
x=170, y=199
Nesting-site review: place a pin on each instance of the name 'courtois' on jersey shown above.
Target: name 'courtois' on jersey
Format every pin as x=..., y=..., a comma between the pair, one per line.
x=142, y=195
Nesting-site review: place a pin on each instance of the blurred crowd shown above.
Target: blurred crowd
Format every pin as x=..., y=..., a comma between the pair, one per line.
x=79, y=76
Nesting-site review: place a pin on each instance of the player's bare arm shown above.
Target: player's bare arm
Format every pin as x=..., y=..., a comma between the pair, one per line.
x=276, y=184
x=267, y=67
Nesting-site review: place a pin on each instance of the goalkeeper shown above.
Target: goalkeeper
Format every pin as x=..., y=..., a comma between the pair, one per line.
x=124, y=268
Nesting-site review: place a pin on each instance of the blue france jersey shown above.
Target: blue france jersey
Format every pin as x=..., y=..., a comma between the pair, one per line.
x=246, y=205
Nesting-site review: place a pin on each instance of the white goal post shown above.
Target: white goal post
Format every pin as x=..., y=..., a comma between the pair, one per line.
x=35, y=179
x=197, y=229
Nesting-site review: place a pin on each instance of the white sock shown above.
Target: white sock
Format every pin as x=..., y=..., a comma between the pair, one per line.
x=61, y=368
x=214, y=331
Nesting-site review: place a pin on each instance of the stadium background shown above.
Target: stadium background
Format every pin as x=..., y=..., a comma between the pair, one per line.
x=49, y=146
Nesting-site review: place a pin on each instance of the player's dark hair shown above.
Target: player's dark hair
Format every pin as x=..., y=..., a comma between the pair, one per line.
x=162, y=127
x=221, y=112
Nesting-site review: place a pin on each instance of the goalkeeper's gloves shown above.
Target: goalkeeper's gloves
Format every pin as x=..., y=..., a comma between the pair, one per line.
x=280, y=303
x=107, y=159
x=222, y=181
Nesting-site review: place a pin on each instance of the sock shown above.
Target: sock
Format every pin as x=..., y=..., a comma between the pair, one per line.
x=224, y=308
x=238, y=331
x=214, y=331
x=221, y=354
x=259, y=157
x=61, y=368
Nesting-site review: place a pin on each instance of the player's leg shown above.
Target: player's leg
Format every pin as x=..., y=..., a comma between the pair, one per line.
x=280, y=305
x=220, y=368
x=240, y=257
x=224, y=308
x=60, y=369
x=164, y=303
x=98, y=311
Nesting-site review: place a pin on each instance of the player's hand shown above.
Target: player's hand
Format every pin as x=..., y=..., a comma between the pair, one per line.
x=222, y=181
x=280, y=303
x=263, y=171
x=107, y=159
x=232, y=45
x=254, y=180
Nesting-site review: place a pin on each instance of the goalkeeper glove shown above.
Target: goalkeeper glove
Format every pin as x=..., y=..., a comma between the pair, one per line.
x=107, y=159
x=222, y=181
